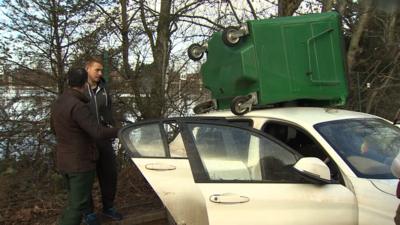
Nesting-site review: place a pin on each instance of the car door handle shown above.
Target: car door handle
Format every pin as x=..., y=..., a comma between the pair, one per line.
x=160, y=167
x=228, y=198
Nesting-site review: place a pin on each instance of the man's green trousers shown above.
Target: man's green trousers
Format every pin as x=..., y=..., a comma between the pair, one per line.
x=79, y=187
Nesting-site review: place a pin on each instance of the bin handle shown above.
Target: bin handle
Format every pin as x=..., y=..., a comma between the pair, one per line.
x=310, y=73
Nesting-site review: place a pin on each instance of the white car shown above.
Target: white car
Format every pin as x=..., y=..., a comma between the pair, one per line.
x=294, y=165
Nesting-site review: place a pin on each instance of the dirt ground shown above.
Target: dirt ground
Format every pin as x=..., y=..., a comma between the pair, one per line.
x=26, y=200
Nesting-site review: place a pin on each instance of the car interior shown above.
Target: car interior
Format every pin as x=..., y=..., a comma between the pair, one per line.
x=301, y=142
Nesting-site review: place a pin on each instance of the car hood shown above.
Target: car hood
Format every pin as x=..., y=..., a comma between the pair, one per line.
x=387, y=186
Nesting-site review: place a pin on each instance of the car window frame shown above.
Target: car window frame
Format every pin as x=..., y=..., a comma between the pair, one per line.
x=198, y=170
x=132, y=154
x=309, y=135
x=164, y=136
x=297, y=127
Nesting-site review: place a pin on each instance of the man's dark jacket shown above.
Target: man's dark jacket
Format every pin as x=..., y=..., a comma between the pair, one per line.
x=76, y=129
x=100, y=103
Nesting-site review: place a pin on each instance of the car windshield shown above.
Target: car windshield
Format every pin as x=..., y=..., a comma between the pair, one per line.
x=367, y=145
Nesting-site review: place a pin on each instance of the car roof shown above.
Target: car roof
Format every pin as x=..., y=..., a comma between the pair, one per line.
x=300, y=115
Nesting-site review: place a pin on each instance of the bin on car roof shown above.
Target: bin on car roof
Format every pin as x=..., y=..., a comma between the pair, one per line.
x=279, y=60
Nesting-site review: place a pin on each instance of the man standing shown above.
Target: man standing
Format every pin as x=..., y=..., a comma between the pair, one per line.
x=76, y=128
x=100, y=105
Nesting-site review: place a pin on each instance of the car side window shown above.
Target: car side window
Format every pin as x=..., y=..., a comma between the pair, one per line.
x=230, y=153
x=145, y=141
x=296, y=139
x=300, y=141
x=155, y=140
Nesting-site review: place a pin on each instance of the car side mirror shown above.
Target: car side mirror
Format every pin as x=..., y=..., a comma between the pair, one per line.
x=314, y=169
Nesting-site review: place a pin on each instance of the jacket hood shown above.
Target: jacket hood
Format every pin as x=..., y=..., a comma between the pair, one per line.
x=77, y=94
x=102, y=82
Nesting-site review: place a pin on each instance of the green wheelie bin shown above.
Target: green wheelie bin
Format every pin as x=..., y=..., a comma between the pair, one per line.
x=272, y=61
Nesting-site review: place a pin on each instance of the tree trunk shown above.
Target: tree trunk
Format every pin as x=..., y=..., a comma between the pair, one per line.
x=391, y=37
x=7, y=152
x=288, y=7
x=341, y=6
x=159, y=66
x=358, y=30
x=125, y=39
x=57, y=48
x=327, y=5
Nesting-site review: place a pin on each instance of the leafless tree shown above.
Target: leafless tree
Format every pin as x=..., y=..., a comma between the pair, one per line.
x=37, y=41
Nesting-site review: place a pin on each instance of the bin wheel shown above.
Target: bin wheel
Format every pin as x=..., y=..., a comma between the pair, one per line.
x=203, y=107
x=230, y=37
x=237, y=105
x=195, y=52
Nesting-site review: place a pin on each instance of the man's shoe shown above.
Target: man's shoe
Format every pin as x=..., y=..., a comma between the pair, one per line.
x=112, y=213
x=90, y=219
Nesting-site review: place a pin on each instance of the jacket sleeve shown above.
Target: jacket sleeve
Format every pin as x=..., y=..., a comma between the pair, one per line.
x=88, y=122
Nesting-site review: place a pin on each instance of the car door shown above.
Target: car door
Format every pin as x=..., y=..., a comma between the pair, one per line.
x=158, y=151
x=230, y=174
x=245, y=177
